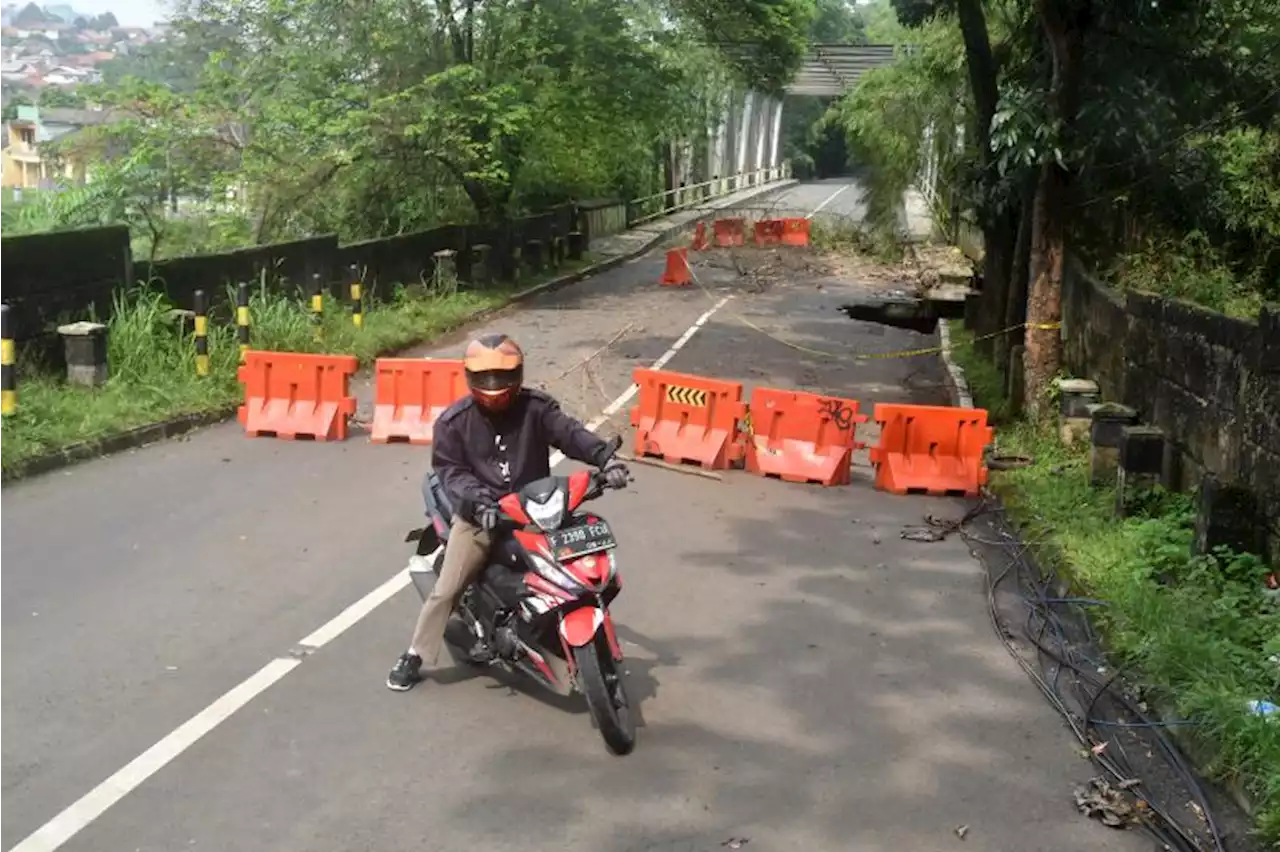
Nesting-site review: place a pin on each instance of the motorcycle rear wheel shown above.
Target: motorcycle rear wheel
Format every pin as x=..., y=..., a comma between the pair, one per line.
x=609, y=707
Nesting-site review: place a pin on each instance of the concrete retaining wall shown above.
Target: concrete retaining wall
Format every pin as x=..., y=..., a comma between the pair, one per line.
x=1211, y=382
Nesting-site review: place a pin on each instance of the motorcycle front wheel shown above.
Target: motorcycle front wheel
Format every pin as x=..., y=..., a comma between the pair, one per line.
x=601, y=683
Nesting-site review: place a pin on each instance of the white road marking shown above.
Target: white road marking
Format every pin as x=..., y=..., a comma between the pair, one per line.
x=93, y=804
x=336, y=626
x=57, y=831
x=830, y=198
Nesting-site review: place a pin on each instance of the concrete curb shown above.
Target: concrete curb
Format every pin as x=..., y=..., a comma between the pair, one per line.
x=140, y=436
x=126, y=440
x=957, y=383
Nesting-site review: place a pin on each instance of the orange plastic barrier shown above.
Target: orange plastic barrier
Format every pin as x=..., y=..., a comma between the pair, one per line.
x=930, y=449
x=802, y=437
x=290, y=395
x=410, y=394
x=700, y=242
x=795, y=232
x=769, y=232
x=685, y=418
x=677, y=273
x=729, y=232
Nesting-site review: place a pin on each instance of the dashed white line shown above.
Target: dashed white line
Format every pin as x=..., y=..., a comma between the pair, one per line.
x=830, y=198
x=93, y=804
x=336, y=626
x=616, y=406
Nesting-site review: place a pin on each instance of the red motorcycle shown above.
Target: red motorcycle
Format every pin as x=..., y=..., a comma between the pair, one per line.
x=541, y=606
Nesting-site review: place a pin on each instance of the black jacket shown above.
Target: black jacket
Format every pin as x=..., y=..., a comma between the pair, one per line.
x=479, y=458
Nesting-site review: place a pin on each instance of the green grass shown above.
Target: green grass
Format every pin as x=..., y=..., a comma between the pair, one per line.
x=986, y=382
x=1198, y=631
x=152, y=366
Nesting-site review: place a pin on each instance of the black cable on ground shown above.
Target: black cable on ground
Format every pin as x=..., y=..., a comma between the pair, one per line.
x=1095, y=696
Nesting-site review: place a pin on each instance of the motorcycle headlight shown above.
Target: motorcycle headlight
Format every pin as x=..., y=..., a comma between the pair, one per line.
x=547, y=515
x=555, y=574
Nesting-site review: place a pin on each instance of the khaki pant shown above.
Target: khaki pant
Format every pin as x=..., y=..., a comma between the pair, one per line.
x=465, y=556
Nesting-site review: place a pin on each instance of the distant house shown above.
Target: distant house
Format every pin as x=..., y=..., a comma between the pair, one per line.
x=27, y=162
x=67, y=75
x=15, y=71
x=94, y=37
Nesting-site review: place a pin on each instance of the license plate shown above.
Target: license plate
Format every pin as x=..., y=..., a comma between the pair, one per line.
x=576, y=541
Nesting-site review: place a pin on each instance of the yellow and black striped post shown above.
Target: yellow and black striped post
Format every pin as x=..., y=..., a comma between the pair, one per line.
x=317, y=303
x=242, y=317
x=357, y=315
x=202, y=334
x=8, y=376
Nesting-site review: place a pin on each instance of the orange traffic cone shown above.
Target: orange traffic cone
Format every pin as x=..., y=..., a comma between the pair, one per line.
x=677, y=273
x=700, y=242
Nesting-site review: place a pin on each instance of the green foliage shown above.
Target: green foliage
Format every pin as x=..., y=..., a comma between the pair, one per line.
x=56, y=96
x=287, y=118
x=986, y=382
x=1198, y=630
x=767, y=39
x=881, y=22
x=1201, y=632
x=885, y=117
x=837, y=22
x=152, y=365
x=1190, y=268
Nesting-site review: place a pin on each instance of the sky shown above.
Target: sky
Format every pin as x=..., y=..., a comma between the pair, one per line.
x=130, y=13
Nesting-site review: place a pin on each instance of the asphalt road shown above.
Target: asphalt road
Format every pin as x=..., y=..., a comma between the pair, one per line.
x=807, y=679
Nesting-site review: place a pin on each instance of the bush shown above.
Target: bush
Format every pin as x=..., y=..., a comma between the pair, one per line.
x=1190, y=268
x=153, y=372
x=1200, y=632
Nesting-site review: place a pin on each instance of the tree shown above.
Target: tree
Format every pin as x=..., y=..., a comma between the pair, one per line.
x=1079, y=109
x=837, y=22
x=765, y=40
x=56, y=96
x=412, y=113
x=30, y=16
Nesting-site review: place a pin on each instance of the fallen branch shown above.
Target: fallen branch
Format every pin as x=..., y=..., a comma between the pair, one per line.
x=596, y=354
x=692, y=471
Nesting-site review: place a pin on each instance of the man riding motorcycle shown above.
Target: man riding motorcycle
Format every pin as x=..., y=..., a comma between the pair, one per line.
x=491, y=443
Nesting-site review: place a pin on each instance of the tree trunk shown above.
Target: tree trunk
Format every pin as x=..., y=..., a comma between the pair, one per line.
x=1043, y=354
x=1064, y=23
x=982, y=70
x=668, y=174
x=1013, y=312
x=998, y=238
x=997, y=225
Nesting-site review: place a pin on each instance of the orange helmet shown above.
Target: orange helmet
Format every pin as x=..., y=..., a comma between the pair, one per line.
x=495, y=370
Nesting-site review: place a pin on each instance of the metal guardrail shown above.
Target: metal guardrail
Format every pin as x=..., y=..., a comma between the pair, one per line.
x=684, y=197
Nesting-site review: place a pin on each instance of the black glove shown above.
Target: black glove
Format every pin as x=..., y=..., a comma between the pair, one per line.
x=616, y=475
x=486, y=516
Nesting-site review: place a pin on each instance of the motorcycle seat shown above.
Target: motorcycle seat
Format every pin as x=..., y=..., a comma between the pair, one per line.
x=507, y=583
x=436, y=498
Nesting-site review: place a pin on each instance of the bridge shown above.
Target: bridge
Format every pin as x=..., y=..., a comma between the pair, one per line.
x=746, y=137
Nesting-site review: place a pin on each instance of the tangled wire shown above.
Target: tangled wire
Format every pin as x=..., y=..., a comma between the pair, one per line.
x=1118, y=735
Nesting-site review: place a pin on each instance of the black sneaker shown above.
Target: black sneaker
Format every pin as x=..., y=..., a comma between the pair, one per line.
x=405, y=673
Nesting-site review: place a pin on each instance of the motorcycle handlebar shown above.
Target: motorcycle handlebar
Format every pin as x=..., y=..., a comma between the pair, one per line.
x=599, y=484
